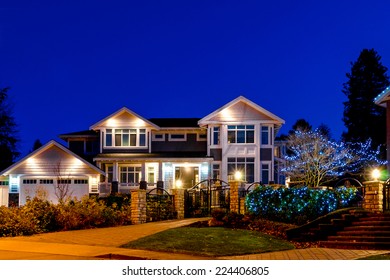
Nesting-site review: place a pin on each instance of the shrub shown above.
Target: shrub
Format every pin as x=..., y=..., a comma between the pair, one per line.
x=297, y=205
x=39, y=215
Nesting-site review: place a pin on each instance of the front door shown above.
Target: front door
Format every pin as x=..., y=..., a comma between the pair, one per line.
x=186, y=176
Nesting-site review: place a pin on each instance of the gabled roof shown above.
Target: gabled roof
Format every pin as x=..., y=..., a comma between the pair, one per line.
x=254, y=106
x=44, y=148
x=176, y=122
x=121, y=111
x=383, y=97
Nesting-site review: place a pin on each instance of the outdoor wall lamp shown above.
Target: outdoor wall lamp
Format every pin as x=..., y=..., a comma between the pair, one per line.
x=375, y=174
x=237, y=176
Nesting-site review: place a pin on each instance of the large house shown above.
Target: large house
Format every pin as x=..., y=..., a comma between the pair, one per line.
x=125, y=151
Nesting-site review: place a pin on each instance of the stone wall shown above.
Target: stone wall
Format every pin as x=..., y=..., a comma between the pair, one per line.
x=373, y=198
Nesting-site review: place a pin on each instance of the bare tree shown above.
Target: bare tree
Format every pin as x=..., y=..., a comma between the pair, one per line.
x=62, y=183
x=314, y=159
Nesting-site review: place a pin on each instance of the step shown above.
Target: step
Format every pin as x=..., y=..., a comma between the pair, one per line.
x=383, y=218
x=371, y=223
x=364, y=233
x=354, y=245
x=359, y=238
x=367, y=228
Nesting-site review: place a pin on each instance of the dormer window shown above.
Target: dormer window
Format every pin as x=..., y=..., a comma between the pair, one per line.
x=134, y=137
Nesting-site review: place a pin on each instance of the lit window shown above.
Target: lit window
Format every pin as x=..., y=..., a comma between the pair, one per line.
x=241, y=134
x=245, y=165
x=126, y=137
x=130, y=175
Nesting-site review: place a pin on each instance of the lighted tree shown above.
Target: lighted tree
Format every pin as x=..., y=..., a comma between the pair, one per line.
x=314, y=159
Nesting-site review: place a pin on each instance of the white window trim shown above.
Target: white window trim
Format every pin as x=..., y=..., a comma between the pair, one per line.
x=270, y=136
x=269, y=163
x=126, y=147
x=245, y=130
x=177, y=140
x=212, y=136
x=158, y=139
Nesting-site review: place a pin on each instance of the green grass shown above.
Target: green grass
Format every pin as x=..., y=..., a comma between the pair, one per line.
x=377, y=257
x=214, y=241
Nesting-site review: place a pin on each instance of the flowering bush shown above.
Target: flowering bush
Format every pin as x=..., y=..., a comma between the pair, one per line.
x=297, y=205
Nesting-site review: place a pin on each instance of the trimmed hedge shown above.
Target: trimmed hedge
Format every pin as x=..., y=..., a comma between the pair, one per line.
x=298, y=205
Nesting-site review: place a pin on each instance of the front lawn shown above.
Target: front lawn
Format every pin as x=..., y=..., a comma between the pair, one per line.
x=210, y=241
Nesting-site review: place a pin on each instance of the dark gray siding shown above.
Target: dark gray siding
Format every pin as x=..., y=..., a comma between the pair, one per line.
x=191, y=145
x=266, y=154
x=216, y=154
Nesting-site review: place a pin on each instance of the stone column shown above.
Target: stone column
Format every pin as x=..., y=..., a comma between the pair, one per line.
x=178, y=202
x=234, y=196
x=373, y=198
x=138, y=206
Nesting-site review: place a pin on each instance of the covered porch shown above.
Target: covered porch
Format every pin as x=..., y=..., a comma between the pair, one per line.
x=126, y=172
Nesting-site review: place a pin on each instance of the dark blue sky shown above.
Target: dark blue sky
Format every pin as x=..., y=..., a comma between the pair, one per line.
x=71, y=63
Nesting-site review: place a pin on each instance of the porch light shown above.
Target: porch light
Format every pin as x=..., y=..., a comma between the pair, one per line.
x=238, y=176
x=179, y=184
x=375, y=174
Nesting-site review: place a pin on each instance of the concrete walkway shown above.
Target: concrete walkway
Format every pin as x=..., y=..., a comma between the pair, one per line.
x=104, y=244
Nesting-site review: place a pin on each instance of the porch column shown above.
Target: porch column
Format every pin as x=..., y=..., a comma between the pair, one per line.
x=115, y=171
x=160, y=171
x=373, y=198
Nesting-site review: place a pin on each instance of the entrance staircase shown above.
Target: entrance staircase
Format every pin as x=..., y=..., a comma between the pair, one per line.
x=353, y=229
x=361, y=231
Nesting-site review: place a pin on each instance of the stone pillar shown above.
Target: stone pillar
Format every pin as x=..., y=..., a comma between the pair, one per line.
x=178, y=202
x=234, y=196
x=373, y=198
x=138, y=206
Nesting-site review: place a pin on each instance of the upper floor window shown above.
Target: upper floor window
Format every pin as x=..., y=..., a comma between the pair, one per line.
x=134, y=137
x=241, y=134
x=215, y=135
x=266, y=135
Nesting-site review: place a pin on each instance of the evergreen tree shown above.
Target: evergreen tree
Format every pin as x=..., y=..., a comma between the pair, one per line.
x=8, y=139
x=363, y=119
x=37, y=145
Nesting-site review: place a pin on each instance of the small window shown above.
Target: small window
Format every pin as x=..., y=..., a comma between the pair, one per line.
x=159, y=137
x=3, y=183
x=29, y=181
x=81, y=181
x=64, y=181
x=46, y=181
x=177, y=137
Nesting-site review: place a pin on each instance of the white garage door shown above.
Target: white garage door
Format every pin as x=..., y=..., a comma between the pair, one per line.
x=48, y=187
